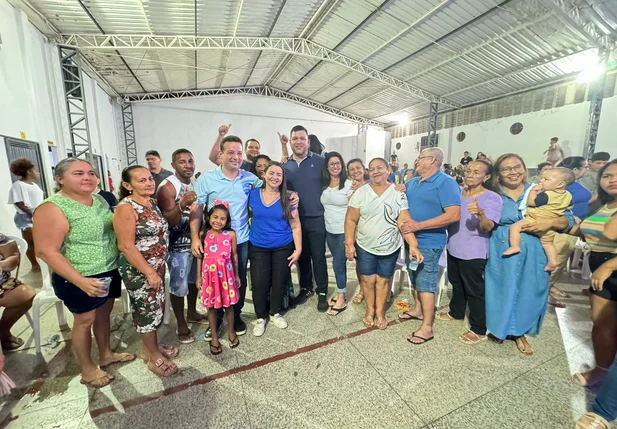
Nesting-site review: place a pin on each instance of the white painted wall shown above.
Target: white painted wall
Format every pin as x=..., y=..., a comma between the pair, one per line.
x=193, y=124
x=32, y=101
x=494, y=137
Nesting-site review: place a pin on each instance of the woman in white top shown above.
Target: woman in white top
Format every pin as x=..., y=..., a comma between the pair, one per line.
x=26, y=195
x=336, y=191
x=377, y=210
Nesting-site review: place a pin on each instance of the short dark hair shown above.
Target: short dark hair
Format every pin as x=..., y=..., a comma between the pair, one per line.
x=21, y=166
x=261, y=156
x=542, y=165
x=153, y=153
x=572, y=162
x=554, y=139
x=467, y=152
x=179, y=152
x=298, y=128
x=601, y=156
x=251, y=140
x=234, y=139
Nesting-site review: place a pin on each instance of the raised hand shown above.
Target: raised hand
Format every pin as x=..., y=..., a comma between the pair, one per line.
x=283, y=139
x=224, y=129
x=474, y=208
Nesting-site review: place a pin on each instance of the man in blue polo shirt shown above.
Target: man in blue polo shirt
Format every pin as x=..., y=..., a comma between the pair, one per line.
x=434, y=203
x=303, y=173
x=231, y=184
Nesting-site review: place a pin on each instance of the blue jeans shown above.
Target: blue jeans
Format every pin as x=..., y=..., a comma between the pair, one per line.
x=426, y=276
x=336, y=244
x=605, y=404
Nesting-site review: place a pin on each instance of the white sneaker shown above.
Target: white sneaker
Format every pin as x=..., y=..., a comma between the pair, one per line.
x=278, y=321
x=260, y=327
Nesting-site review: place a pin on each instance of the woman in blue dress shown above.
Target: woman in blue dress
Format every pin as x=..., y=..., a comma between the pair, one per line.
x=516, y=286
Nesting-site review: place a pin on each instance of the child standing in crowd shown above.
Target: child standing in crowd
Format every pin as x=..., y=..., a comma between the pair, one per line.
x=220, y=279
x=554, y=153
x=548, y=199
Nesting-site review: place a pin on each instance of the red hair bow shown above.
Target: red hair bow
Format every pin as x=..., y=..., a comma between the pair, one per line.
x=221, y=203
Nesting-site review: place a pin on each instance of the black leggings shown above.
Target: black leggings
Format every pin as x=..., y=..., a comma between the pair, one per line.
x=467, y=279
x=270, y=275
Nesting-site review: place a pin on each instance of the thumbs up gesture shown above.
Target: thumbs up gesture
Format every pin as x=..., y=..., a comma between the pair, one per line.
x=224, y=129
x=473, y=207
x=283, y=139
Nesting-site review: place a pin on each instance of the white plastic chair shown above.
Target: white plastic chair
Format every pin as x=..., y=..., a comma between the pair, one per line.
x=580, y=257
x=398, y=279
x=22, y=245
x=401, y=270
x=167, y=311
x=45, y=296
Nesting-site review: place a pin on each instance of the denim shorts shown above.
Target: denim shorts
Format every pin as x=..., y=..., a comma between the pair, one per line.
x=426, y=276
x=369, y=264
x=182, y=272
x=22, y=221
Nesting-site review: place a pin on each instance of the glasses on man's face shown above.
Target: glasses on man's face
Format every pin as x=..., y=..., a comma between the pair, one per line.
x=518, y=168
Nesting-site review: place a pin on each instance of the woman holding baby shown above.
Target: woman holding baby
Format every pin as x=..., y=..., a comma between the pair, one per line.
x=517, y=285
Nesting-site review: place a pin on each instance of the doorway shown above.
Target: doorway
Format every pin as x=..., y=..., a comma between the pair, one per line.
x=17, y=148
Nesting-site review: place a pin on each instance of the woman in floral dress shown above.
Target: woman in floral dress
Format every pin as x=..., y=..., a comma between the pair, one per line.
x=142, y=239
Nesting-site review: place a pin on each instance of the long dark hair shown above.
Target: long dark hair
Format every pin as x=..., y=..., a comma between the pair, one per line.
x=489, y=171
x=571, y=162
x=205, y=225
x=325, y=174
x=315, y=145
x=495, y=184
x=603, y=196
x=285, y=203
x=126, y=177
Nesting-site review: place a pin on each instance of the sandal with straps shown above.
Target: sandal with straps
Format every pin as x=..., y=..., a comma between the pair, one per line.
x=168, y=351
x=592, y=421
x=217, y=350
x=358, y=298
x=233, y=343
x=162, y=368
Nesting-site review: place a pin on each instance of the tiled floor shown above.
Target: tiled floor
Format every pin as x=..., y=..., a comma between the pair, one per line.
x=321, y=372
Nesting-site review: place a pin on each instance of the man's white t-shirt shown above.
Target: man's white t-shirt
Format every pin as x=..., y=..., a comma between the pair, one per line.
x=378, y=231
x=334, y=202
x=30, y=194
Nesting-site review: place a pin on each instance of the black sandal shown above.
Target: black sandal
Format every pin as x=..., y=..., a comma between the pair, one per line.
x=235, y=343
x=216, y=350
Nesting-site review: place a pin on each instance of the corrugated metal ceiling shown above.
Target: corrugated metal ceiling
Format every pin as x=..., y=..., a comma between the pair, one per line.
x=463, y=50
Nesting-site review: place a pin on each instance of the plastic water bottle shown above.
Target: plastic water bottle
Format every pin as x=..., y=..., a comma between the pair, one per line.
x=413, y=265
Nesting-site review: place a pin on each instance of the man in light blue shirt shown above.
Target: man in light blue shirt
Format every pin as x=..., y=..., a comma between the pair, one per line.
x=434, y=203
x=231, y=184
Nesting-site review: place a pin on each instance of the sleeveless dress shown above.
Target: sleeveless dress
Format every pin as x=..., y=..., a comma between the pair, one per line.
x=219, y=288
x=151, y=240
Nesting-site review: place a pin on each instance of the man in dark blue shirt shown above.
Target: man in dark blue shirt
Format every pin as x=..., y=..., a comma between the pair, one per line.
x=303, y=174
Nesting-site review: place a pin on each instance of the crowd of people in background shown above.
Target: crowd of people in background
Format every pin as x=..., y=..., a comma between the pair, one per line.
x=506, y=237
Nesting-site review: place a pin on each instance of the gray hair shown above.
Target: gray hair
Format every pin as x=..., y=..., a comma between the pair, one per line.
x=435, y=152
x=62, y=167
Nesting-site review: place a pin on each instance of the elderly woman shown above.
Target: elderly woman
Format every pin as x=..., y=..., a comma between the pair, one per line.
x=376, y=211
x=73, y=234
x=26, y=195
x=468, y=249
x=516, y=286
x=15, y=297
x=335, y=194
x=142, y=240
x=356, y=171
x=600, y=233
x=565, y=243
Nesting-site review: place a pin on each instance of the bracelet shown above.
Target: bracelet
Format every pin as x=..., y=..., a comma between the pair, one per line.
x=181, y=209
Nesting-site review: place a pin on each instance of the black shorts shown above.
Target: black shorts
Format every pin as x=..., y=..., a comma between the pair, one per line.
x=609, y=289
x=78, y=301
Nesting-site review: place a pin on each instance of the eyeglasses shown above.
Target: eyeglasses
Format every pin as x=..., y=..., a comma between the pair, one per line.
x=427, y=156
x=334, y=164
x=518, y=168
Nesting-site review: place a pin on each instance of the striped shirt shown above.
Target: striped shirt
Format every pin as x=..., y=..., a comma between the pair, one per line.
x=593, y=230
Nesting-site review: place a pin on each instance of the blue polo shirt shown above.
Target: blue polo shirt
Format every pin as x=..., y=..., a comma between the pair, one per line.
x=214, y=185
x=305, y=179
x=427, y=200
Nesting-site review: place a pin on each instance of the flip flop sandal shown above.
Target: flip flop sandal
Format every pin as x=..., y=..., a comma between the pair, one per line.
x=444, y=315
x=406, y=315
x=233, y=344
x=424, y=340
x=202, y=320
x=369, y=321
x=168, y=351
x=188, y=339
x=337, y=311
x=217, y=350
x=525, y=349
x=162, y=368
x=125, y=357
x=381, y=323
x=592, y=421
x=12, y=344
x=98, y=383
x=357, y=299
x=478, y=338
x=332, y=301
x=580, y=380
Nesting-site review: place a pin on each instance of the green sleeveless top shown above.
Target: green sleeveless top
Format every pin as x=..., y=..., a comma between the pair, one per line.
x=90, y=245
